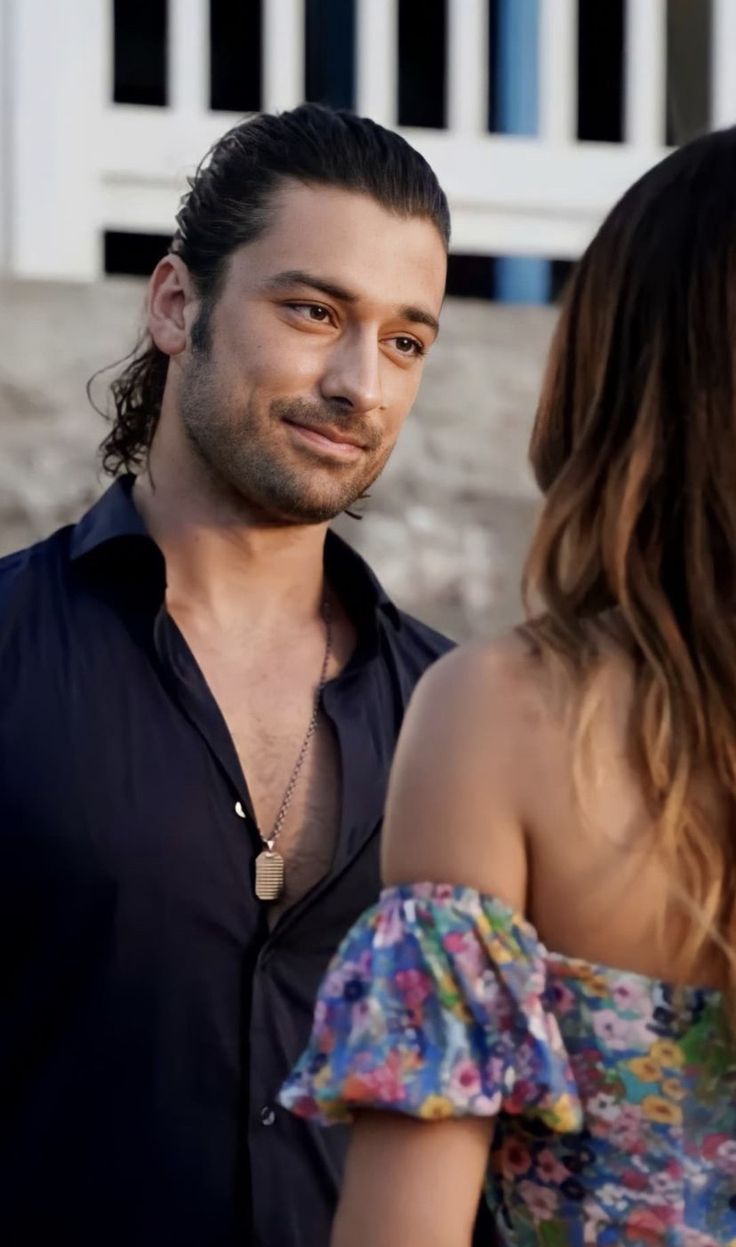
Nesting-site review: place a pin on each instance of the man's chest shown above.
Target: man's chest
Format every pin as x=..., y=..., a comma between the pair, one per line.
x=126, y=761
x=290, y=761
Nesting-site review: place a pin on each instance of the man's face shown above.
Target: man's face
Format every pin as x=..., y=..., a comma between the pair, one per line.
x=296, y=386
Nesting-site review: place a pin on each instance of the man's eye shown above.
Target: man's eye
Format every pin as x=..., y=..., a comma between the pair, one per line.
x=312, y=311
x=408, y=346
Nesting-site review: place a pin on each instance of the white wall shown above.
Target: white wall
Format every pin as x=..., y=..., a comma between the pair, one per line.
x=74, y=164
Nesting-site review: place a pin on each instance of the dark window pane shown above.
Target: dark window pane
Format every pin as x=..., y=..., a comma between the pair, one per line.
x=688, y=68
x=134, y=254
x=562, y=271
x=470, y=276
x=235, y=55
x=330, y=37
x=422, y=39
x=600, y=70
x=139, y=32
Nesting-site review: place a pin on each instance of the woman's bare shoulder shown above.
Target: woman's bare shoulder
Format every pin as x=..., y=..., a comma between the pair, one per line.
x=455, y=808
x=499, y=682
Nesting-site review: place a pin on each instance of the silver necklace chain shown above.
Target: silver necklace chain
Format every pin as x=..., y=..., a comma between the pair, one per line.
x=289, y=791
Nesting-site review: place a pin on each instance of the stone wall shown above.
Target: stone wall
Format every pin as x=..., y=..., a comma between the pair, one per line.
x=446, y=527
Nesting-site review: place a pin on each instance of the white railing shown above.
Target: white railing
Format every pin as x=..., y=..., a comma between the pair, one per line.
x=73, y=165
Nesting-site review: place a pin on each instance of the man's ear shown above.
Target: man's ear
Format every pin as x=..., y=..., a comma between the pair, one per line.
x=172, y=305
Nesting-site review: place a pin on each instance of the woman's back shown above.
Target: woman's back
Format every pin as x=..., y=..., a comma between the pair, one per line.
x=652, y=1059
x=596, y=881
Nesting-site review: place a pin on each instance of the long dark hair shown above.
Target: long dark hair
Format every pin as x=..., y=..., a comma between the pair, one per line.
x=227, y=206
x=634, y=448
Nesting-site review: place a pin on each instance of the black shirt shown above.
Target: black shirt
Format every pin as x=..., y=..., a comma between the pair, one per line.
x=148, y=1016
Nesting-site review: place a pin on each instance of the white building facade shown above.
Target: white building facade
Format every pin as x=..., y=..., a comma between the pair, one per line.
x=75, y=165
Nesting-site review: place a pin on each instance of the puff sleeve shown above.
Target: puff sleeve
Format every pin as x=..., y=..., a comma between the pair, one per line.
x=434, y=1006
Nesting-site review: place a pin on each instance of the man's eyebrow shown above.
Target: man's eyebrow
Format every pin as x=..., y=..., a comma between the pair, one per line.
x=299, y=277
x=420, y=317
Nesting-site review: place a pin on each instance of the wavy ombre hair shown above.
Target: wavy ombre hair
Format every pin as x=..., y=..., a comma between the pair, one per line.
x=634, y=448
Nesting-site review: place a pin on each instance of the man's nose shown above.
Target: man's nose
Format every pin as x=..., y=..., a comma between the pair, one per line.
x=353, y=375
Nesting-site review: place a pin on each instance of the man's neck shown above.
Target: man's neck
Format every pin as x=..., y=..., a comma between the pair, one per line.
x=232, y=568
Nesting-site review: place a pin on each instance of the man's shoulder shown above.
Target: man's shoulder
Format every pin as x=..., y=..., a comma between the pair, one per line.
x=421, y=636
x=31, y=567
x=415, y=645
x=410, y=648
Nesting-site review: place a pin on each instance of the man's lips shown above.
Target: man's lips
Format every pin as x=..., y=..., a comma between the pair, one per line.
x=329, y=441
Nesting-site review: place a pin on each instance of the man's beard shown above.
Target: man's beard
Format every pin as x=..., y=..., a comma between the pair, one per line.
x=243, y=458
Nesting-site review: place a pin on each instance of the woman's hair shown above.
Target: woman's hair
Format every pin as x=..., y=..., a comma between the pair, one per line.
x=228, y=205
x=634, y=448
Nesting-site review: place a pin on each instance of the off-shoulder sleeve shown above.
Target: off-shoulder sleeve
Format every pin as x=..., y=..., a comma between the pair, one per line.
x=434, y=1006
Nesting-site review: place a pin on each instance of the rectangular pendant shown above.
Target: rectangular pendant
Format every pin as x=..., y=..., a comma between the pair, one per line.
x=269, y=875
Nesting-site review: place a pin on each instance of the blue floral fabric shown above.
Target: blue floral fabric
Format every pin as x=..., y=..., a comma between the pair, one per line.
x=614, y=1094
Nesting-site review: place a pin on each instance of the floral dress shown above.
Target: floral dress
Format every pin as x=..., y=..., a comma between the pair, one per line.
x=615, y=1094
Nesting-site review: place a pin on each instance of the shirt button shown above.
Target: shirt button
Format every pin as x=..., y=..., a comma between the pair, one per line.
x=239, y=809
x=268, y=1116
